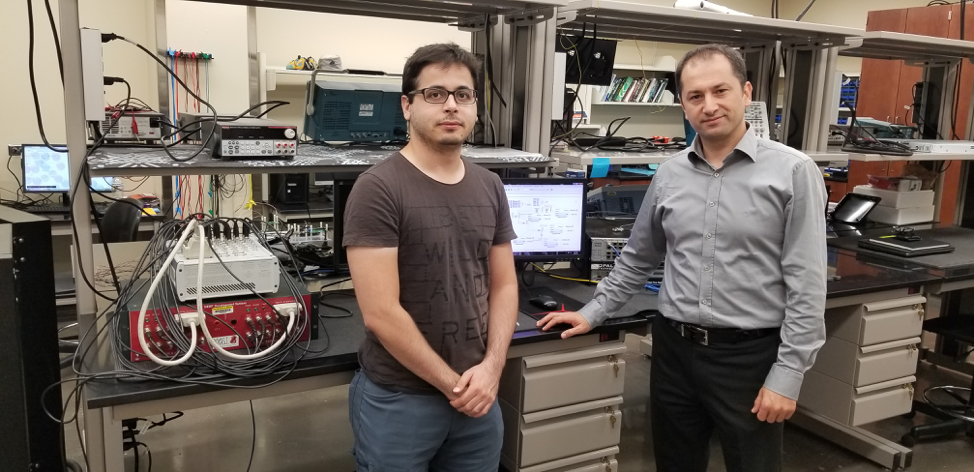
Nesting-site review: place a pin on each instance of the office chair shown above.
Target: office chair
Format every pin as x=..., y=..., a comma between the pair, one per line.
x=120, y=223
x=957, y=417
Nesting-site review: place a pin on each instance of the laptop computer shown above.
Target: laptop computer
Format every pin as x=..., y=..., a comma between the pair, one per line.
x=897, y=246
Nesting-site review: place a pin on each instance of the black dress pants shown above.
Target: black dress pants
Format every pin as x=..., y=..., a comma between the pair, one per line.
x=697, y=389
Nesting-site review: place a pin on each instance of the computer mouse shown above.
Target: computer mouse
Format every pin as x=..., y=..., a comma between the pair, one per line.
x=545, y=302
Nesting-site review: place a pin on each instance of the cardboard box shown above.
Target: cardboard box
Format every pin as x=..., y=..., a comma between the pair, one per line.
x=894, y=199
x=903, y=184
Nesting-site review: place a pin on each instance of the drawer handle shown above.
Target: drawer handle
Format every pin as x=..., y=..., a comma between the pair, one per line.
x=910, y=388
x=612, y=419
x=912, y=348
x=615, y=364
x=920, y=311
x=608, y=464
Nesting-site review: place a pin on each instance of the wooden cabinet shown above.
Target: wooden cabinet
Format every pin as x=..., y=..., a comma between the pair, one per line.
x=886, y=90
x=878, y=78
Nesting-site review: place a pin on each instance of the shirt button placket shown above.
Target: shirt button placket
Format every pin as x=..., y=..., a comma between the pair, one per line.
x=706, y=289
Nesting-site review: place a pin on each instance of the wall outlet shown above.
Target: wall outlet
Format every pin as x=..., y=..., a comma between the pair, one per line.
x=14, y=150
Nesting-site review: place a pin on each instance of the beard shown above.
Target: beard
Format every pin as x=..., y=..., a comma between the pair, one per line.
x=434, y=137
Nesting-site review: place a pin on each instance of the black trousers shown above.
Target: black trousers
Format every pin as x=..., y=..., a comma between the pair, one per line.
x=697, y=389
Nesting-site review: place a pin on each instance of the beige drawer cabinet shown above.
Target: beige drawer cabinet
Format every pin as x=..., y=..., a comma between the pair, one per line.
x=877, y=322
x=562, y=378
x=864, y=365
x=865, y=371
x=562, y=409
x=560, y=432
x=602, y=460
x=856, y=406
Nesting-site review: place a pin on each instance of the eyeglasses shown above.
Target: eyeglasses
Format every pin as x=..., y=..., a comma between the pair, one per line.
x=437, y=95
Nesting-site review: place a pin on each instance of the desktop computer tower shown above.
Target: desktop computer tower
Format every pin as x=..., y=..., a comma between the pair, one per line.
x=28, y=336
x=343, y=188
x=289, y=189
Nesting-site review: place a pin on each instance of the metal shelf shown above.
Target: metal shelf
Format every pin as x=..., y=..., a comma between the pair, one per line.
x=854, y=156
x=578, y=157
x=119, y=161
x=436, y=11
x=275, y=77
x=638, y=104
x=907, y=47
x=621, y=20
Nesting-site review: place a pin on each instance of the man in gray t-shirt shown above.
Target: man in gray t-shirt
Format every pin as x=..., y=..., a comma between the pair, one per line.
x=428, y=236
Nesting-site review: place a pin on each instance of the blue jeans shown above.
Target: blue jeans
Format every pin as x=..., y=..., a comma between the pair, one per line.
x=417, y=433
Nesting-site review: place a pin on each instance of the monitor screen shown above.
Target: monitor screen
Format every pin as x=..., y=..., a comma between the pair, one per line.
x=854, y=208
x=548, y=217
x=45, y=171
x=103, y=184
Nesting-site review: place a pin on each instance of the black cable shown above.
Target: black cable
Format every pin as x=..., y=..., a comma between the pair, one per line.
x=187, y=126
x=802, y=14
x=957, y=76
x=33, y=81
x=148, y=453
x=158, y=251
x=110, y=36
x=135, y=446
x=348, y=313
x=57, y=42
x=253, y=441
x=490, y=68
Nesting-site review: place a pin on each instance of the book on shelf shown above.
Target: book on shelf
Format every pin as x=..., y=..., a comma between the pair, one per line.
x=634, y=90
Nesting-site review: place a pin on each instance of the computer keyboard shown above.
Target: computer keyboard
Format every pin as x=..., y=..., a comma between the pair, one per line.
x=48, y=209
x=61, y=209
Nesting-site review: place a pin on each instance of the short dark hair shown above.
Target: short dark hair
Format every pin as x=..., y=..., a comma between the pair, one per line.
x=441, y=54
x=706, y=52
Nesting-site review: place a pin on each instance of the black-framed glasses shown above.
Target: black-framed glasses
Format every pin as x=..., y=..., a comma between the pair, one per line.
x=438, y=95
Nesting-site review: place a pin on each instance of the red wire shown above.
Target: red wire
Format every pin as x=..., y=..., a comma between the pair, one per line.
x=185, y=89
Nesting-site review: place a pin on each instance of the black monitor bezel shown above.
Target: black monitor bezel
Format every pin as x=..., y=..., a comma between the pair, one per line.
x=538, y=257
x=23, y=169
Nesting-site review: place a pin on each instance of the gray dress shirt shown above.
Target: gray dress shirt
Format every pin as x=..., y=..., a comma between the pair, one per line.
x=744, y=246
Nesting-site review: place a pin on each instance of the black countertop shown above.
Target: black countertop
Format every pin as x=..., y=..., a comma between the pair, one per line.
x=339, y=339
x=949, y=267
x=852, y=273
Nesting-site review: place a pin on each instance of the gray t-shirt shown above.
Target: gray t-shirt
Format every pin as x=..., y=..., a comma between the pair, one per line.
x=444, y=234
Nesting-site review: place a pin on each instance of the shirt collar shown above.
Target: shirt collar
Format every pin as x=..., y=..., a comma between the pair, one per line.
x=748, y=145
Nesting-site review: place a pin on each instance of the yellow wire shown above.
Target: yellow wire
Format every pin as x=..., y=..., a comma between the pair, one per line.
x=250, y=193
x=563, y=278
x=641, y=65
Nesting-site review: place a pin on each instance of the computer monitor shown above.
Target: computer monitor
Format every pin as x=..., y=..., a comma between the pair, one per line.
x=45, y=170
x=103, y=184
x=48, y=171
x=549, y=218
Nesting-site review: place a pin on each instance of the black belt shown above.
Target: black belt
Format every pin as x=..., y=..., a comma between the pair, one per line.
x=707, y=336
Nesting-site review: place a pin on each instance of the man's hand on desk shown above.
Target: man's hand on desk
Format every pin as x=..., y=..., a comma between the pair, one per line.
x=772, y=407
x=578, y=322
x=477, y=388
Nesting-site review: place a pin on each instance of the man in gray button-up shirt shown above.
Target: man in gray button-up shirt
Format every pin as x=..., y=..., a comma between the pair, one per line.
x=741, y=222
